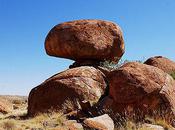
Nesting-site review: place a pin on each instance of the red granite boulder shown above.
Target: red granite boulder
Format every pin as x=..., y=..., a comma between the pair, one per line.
x=86, y=84
x=86, y=40
x=137, y=86
x=163, y=63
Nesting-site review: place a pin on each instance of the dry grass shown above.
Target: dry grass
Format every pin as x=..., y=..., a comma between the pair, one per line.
x=56, y=120
x=136, y=120
x=41, y=121
x=17, y=120
x=9, y=125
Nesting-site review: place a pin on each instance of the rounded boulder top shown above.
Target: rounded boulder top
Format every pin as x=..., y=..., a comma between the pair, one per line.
x=86, y=40
x=162, y=63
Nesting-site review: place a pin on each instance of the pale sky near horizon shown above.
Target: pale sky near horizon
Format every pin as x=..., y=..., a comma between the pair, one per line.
x=148, y=27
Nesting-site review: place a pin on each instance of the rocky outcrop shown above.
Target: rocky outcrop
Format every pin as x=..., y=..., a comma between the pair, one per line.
x=138, y=86
x=103, y=122
x=82, y=83
x=134, y=86
x=86, y=40
x=162, y=63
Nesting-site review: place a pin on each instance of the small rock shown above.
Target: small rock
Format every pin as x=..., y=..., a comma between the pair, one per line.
x=73, y=125
x=152, y=127
x=103, y=122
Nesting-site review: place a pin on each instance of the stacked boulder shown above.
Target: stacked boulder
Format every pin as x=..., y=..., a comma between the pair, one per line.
x=88, y=42
x=82, y=40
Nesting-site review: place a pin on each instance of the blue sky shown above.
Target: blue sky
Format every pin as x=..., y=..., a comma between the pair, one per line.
x=148, y=27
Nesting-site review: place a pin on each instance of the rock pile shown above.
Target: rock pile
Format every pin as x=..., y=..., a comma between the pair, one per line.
x=89, y=42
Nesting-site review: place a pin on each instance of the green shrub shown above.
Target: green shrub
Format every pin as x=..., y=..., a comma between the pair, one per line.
x=113, y=65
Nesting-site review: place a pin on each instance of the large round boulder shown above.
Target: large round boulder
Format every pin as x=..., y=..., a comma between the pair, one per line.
x=163, y=63
x=136, y=86
x=86, y=40
x=82, y=84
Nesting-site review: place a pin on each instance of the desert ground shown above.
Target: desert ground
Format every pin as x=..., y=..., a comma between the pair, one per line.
x=17, y=119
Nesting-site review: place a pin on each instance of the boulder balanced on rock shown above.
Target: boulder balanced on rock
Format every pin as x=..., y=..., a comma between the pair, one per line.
x=86, y=40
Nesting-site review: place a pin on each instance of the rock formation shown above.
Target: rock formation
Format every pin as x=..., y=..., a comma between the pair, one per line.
x=139, y=86
x=134, y=86
x=86, y=40
x=162, y=63
x=86, y=84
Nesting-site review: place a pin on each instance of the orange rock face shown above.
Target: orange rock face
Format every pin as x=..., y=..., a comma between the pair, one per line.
x=82, y=83
x=139, y=86
x=86, y=39
x=162, y=63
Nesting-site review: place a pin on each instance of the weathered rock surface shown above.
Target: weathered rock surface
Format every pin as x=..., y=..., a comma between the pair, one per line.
x=138, y=86
x=162, y=63
x=82, y=83
x=103, y=122
x=86, y=40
